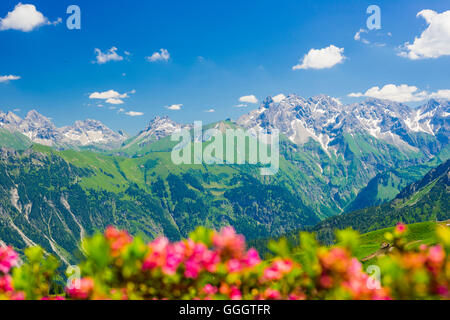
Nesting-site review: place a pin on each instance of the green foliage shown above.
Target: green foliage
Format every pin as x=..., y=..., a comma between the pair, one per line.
x=218, y=265
x=425, y=200
x=36, y=278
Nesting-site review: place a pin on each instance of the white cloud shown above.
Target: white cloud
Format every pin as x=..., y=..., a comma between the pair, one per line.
x=163, y=55
x=401, y=93
x=134, y=114
x=434, y=42
x=242, y=105
x=110, y=55
x=210, y=110
x=121, y=110
x=278, y=98
x=114, y=101
x=441, y=94
x=111, y=96
x=25, y=18
x=175, y=107
x=356, y=95
x=358, y=37
x=321, y=58
x=248, y=99
x=8, y=78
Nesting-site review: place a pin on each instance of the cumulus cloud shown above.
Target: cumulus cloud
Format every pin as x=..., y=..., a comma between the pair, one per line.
x=111, y=96
x=175, y=107
x=401, y=93
x=134, y=114
x=114, y=101
x=110, y=55
x=321, y=58
x=242, y=105
x=26, y=18
x=8, y=78
x=162, y=55
x=278, y=98
x=248, y=99
x=210, y=110
x=434, y=42
x=441, y=94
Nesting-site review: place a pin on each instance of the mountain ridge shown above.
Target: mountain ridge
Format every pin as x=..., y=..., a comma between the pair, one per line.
x=424, y=200
x=40, y=129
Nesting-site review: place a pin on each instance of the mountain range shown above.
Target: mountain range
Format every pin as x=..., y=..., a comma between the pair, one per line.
x=39, y=129
x=321, y=118
x=325, y=120
x=58, y=184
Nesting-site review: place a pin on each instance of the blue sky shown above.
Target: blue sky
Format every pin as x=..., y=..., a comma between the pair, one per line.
x=219, y=52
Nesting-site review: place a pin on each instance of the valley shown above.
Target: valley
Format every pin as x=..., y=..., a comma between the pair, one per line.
x=337, y=165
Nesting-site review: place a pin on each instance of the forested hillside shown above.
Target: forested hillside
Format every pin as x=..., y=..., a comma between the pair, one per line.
x=425, y=200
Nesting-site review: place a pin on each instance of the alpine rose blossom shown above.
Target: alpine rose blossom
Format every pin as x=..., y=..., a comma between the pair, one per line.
x=8, y=259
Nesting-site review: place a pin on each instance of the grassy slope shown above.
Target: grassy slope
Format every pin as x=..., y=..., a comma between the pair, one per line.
x=13, y=140
x=418, y=233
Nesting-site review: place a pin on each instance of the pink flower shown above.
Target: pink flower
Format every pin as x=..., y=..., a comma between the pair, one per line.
x=436, y=254
x=229, y=243
x=295, y=296
x=355, y=267
x=252, y=258
x=8, y=259
x=118, y=239
x=277, y=270
x=17, y=296
x=400, y=228
x=442, y=291
x=210, y=260
x=271, y=274
x=234, y=265
x=6, y=284
x=235, y=293
x=174, y=257
x=326, y=281
x=157, y=254
x=81, y=289
x=209, y=290
x=272, y=294
x=193, y=268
